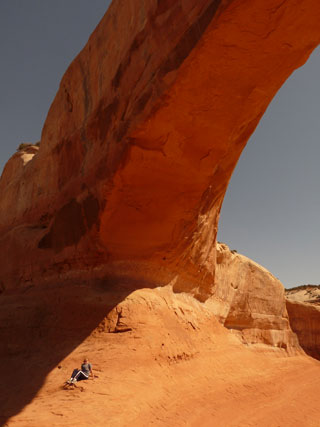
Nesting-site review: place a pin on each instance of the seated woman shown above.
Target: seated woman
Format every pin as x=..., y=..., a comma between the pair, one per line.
x=81, y=374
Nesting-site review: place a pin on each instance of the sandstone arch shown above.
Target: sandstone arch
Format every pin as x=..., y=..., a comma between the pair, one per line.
x=135, y=157
x=142, y=138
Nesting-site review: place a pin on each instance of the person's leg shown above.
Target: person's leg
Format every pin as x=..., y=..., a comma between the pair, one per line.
x=80, y=376
x=74, y=373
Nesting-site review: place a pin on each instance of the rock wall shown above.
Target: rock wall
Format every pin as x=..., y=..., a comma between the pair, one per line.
x=304, y=313
x=249, y=299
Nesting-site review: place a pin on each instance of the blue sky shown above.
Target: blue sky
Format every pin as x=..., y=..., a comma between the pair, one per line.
x=271, y=209
x=38, y=40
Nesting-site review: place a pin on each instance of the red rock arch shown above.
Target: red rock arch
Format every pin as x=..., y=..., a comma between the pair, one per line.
x=141, y=140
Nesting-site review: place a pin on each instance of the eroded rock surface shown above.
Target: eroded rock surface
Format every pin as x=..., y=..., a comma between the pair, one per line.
x=142, y=137
x=14, y=171
x=303, y=305
x=249, y=299
x=159, y=358
x=305, y=293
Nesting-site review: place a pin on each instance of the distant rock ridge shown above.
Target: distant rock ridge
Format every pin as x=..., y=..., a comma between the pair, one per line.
x=307, y=286
x=304, y=293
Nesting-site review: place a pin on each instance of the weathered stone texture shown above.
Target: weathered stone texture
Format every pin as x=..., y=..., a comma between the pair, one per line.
x=305, y=322
x=249, y=299
x=149, y=121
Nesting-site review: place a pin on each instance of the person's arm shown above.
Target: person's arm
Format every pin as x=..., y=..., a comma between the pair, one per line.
x=91, y=371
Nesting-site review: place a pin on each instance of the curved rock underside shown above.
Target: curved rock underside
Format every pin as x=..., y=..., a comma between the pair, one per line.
x=125, y=192
x=142, y=137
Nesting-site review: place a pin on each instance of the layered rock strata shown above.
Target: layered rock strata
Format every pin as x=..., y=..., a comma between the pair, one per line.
x=249, y=299
x=305, y=322
x=142, y=137
x=303, y=305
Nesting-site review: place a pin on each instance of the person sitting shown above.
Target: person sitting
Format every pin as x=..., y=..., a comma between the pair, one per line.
x=81, y=374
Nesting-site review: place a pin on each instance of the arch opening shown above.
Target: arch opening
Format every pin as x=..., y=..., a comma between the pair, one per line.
x=270, y=211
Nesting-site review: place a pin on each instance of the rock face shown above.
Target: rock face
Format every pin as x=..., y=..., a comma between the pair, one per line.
x=303, y=305
x=15, y=169
x=141, y=140
x=249, y=299
x=305, y=322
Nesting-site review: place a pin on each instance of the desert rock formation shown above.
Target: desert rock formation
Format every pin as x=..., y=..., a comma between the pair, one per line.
x=149, y=337
x=305, y=293
x=108, y=230
x=249, y=299
x=159, y=357
x=303, y=305
x=142, y=137
x=15, y=169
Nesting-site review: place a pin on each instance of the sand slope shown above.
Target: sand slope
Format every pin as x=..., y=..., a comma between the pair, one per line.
x=177, y=366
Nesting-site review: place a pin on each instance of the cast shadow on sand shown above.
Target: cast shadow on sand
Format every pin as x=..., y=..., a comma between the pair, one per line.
x=43, y=325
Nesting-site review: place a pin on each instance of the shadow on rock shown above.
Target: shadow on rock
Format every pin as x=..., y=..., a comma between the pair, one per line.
x=44, y=324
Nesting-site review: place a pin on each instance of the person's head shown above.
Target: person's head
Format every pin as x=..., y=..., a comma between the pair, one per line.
x=85, y=360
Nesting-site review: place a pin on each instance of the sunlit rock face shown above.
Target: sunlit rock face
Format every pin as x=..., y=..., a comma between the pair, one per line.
x=247, y=298
x=141, y=140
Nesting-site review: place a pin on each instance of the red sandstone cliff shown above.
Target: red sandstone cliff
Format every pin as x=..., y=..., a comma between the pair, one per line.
x=249, y=299
x=303, y=305
x=143, y=135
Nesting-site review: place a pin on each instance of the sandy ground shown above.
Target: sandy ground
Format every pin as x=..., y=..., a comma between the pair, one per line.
x=177, y=366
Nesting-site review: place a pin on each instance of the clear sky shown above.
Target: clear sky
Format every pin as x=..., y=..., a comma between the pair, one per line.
x=271, y=210
x=272, y=206
x=38, y=40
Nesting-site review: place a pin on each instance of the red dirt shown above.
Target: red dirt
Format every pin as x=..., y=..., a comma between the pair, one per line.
x=176, y=366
